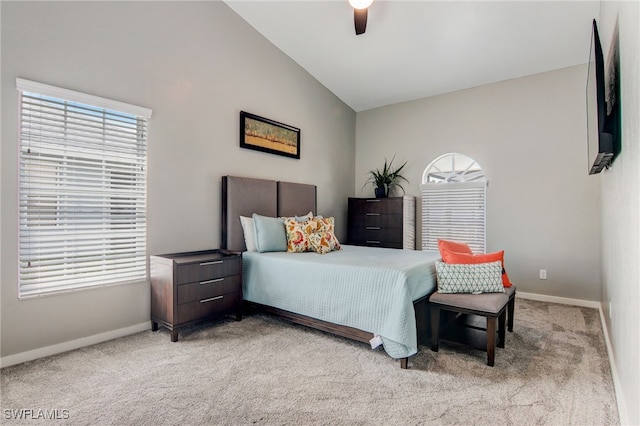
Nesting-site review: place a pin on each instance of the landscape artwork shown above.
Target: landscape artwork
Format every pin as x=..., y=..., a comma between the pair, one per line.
x=262, y=134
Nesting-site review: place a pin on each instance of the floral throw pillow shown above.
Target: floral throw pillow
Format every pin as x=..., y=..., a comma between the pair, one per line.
x=324, y=240
x=314, y=234
x=297, y=235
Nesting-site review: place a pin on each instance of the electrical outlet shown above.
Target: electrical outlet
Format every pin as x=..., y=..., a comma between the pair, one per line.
x=543, y=274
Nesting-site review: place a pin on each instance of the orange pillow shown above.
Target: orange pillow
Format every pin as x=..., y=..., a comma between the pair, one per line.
x=466, y=258
x=453, y=246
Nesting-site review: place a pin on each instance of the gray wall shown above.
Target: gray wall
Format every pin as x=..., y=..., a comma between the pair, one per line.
x=196, y=64
x=620, y=194
x=529, y=136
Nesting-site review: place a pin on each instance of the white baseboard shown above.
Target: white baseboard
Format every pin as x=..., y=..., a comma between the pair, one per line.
x=6, y=361
x=561, y=300
x=622, y=409
x=622, y=413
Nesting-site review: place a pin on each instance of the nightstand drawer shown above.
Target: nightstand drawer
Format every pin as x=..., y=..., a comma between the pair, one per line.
x=209, y=306
x=207, y=289
x=208, y=269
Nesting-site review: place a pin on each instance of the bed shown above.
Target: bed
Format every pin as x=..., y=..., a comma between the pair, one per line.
x=371, y=295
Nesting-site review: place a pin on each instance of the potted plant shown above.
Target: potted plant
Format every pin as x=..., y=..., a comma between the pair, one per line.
x=384, y=180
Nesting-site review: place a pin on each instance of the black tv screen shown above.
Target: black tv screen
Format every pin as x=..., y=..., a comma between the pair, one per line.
x=600, y=140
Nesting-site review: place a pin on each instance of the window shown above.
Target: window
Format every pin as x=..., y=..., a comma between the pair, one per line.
x=454, y=202
x=82, y=194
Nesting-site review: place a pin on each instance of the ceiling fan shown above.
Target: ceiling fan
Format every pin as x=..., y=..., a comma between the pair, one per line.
x=360, y=8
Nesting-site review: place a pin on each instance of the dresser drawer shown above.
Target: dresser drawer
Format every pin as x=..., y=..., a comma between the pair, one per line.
x=375, y=206
x=380, y=237
x=206, y=289
x=208, y=269
x=378, y=243
x=210, y=306
x=375, y=220
x=375, y=234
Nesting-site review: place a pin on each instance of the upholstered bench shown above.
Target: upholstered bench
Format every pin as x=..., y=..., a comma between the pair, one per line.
x=497, y=308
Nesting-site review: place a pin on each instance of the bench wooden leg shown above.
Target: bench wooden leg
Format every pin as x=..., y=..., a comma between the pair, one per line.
x=501, y=328
x=511, y=308
x=491, y=340
x=435, y=328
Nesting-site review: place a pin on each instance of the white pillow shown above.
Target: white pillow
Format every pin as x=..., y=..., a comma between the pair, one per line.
x=249, y=233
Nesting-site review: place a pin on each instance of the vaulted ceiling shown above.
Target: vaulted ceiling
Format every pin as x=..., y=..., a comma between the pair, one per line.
x=414, y=49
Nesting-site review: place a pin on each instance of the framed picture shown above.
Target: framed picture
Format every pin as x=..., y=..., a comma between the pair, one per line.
x=262, y=134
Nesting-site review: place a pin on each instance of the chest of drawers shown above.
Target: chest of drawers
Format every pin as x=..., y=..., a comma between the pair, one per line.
x=382, y=222
x=189, y=287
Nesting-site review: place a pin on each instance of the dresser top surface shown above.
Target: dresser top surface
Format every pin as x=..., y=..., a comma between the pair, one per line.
x=407, y=197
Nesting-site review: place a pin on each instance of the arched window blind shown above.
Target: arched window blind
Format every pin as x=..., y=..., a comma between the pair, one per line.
x=82, y=190
x=454, y=202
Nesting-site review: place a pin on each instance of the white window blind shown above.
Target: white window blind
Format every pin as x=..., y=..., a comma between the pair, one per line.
x=82, y=194
x=454, y=211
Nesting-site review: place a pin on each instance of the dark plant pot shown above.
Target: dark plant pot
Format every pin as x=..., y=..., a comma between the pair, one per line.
x=380, y=193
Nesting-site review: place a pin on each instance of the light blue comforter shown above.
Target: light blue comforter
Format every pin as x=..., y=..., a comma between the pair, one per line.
x=371, y=289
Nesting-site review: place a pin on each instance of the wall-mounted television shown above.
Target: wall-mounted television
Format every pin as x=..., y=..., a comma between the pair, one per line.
x=603, y=109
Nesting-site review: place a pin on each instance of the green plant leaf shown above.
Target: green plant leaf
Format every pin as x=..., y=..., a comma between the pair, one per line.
x=388, y=177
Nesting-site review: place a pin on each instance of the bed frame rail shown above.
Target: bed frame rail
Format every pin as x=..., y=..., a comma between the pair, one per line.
x=420, y=307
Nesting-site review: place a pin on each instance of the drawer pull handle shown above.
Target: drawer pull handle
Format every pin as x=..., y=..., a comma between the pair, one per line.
x=372, y=242
x=373, y=228
x=217, y=280
x=215, y=262
x=211, y=299
x=373, y=214
x=372, y=201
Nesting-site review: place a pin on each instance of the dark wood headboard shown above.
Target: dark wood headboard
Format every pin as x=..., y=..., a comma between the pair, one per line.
x=244, y=196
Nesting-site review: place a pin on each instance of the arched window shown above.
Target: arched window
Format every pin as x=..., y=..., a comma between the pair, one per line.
x=454, y=202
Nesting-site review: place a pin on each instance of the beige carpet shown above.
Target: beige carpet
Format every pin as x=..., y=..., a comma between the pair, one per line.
x=554, y=370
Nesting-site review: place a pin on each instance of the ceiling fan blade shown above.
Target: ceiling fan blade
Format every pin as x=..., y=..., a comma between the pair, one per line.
x=360, y=20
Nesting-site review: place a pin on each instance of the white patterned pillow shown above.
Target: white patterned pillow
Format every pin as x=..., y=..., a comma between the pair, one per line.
x=469, y=278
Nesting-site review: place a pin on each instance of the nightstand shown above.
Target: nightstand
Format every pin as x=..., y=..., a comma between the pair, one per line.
x=189, y=287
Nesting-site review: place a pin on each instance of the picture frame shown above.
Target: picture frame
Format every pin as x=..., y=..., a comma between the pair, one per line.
x=270, y=136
